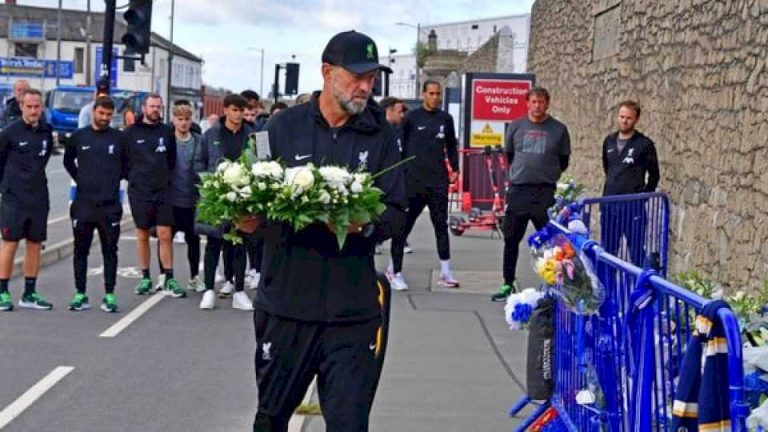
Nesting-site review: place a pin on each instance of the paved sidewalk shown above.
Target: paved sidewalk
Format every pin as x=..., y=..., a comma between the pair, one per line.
x=452, y=363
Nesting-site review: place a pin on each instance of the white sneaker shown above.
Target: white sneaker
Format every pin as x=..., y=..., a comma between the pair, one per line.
x=160, y=284
x=196, y=284
x=253, y=280
x=407, y=249
x=209, y=300
x=397, y=283
x=219, y=278
x=226, y=290
x=241, y=301
x=447, y=280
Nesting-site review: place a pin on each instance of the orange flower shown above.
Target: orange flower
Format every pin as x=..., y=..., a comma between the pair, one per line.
x=568, y=251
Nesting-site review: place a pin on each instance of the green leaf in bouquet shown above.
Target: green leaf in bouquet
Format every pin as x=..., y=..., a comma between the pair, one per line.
x=341, y=235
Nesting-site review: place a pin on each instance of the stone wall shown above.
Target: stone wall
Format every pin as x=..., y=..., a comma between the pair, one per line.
x=698, y=69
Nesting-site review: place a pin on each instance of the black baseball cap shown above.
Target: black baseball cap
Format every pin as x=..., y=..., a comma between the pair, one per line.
x=354, y=52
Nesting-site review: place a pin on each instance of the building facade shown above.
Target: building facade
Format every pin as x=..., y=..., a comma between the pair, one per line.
x=465, y=37
x=35, y=48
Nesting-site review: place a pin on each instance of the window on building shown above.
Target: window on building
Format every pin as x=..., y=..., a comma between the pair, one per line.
x=79, y=60
x=129, y=64
x=25, y=50
x=447, y=44
x=494, y=29
x=475, y=26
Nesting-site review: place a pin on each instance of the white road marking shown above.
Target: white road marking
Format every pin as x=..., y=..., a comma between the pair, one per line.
x=29, y=397
x=133, y=315
x=57, y=219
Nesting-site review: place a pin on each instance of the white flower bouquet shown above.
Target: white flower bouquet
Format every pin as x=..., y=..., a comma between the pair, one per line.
x=328, y=194
x=234, y=190
x=299, y=196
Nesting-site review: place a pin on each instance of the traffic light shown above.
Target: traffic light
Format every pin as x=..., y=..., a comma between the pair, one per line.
x=139, y=19
x=291, y=78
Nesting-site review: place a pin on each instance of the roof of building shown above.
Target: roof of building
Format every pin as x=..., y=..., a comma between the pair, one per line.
x=73, y=26
x=476, y=21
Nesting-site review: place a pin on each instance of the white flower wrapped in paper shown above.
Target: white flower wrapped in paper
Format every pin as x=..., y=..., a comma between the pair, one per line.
x=299, y=178
x=519, y=307
x=758, y=417
x=231, y=196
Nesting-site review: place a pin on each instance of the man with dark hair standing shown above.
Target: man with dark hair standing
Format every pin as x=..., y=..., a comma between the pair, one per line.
x=227, y=139
x=538, y=149
x=97, y=159
x=429, y=135
x=631, y=166
x=152, y=150
x=317, y=309
x=25, y=148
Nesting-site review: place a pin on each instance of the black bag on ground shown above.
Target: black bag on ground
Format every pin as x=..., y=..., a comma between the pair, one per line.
x=541, y=349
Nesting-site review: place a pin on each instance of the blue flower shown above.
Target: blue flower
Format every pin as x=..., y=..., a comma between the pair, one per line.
x=522, y=313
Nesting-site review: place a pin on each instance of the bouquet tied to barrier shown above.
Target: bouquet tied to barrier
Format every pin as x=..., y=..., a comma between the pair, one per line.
x=520, y=306
x=567, y=272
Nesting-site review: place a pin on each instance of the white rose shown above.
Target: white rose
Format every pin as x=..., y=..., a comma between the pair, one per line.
x=235, y=175
x=246, y=192
x=231, y=196
x=223, y=166
x=361, y=177
x=356, y=188
x=300, y=178
x=262, y=186
x=324, y=198
x=335, y=176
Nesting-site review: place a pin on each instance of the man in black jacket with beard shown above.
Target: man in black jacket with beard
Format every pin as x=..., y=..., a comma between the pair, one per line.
x=97, y=159
x=317, y=309
x=631, y=166
x=152, y=151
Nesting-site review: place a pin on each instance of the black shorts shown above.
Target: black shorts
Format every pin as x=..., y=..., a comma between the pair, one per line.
x=148, y=214
x=18, y=222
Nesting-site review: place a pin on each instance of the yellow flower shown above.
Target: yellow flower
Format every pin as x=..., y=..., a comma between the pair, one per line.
x=547, y=271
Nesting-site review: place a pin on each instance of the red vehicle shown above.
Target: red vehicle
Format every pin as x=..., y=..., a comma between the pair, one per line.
x=497, y=176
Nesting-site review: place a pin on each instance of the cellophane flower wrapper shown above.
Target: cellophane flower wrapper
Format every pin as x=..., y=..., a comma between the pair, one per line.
x=569, y=274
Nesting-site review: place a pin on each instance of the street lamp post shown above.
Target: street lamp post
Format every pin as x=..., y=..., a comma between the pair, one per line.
x=418, y=35
x=261, y=75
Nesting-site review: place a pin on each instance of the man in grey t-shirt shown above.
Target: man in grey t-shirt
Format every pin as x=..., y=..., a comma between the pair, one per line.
x=538, y=148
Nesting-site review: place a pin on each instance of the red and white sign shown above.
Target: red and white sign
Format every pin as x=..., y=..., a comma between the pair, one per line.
x=500, y=99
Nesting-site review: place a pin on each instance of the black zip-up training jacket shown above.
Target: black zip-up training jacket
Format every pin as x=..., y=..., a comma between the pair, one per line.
x=24, y=153
x=430, y=136
x=220, y=143
x=304, y=275
x=102, y=161
x=152, y=155
x=625, y=172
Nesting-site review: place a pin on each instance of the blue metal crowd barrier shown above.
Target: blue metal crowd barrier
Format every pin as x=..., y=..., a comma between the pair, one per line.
x=633, y=378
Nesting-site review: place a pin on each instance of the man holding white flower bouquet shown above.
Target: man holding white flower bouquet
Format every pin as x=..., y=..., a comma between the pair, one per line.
x=225, y=140
x=317, y=308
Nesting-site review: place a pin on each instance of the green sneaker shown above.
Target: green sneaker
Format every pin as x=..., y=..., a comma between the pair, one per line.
x=6, y=303
x=144, y=287
x=109, y=304
x=174, y=289
x=504, y=292
x=79, y=302
x=34, y=300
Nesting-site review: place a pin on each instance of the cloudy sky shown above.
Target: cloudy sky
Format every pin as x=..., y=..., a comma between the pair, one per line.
x=229, y=34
